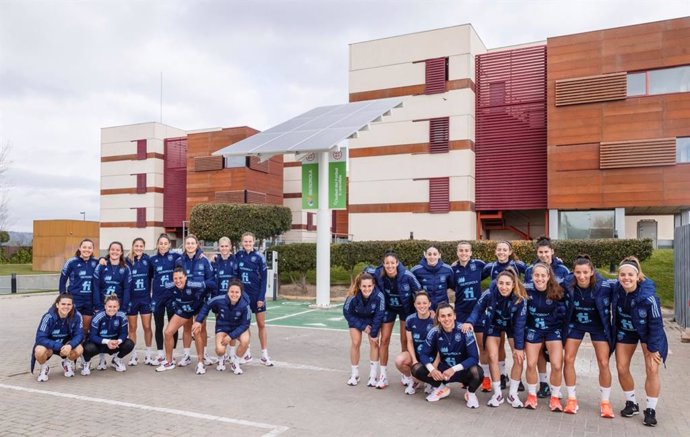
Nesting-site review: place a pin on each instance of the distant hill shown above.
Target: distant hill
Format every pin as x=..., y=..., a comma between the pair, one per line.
x=20, y=238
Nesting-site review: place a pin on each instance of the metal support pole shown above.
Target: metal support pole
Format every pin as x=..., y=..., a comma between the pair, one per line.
x=13, y=283
x=323, y=238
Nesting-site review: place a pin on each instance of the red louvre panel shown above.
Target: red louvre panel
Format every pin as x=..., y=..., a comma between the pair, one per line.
x=439, y=195
x=510, y=146
x=175, y=183
x=436, y=75
x=141, y=149
x=141, y=183
x=438, y=135
x=141, y=217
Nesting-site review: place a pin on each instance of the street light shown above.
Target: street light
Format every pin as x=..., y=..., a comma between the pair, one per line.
x=83, y=215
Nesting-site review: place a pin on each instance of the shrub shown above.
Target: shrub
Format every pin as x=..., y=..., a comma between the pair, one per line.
x=211, y=221
x=296, y=260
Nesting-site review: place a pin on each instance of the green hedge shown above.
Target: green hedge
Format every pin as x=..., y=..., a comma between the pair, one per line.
x=301, y=257
x=22, y=256
x=209, y=222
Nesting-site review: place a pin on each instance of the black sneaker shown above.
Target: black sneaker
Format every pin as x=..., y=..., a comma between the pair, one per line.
x=544, y=390
x=649, y=417
x=504, y=381
x=631, y=409
x=521, y=387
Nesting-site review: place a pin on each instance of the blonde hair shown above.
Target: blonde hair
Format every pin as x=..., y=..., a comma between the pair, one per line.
x=130, y=255
x=633, y=262
x=357, y=283
x=518, y=288
x=553, y=290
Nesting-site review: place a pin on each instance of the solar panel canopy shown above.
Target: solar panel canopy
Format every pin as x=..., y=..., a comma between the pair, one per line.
x=317, y=130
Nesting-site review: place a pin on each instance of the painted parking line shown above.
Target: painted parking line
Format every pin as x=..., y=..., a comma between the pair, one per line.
x=273, y=430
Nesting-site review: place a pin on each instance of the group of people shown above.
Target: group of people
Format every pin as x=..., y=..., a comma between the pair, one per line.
x=543, y=310
x=100, y=302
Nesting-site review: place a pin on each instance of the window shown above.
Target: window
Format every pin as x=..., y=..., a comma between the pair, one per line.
x=141, y=149
x=683, y=149
x=235, y=161
x=585, y=225
x=141, y=217
x=661, y=81
x=141, y=183
x=439, y=195
x=436, y=74
x=438, y=135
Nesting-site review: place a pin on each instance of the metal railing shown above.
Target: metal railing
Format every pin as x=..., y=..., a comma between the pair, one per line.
x=28, y=283
x=681, y=283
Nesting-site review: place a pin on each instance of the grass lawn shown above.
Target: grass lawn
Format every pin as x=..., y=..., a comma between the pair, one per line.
x=20, y=269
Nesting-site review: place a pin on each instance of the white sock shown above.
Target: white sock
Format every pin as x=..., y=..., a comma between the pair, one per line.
x=556, y=391
x=355, y=371
x=502, y=367
x=373, y=368
x=543, y=377
x=186, y=351
x=630, y=396
x=233, y=351
x=161, y=353
x=249, y=348
x=384, y=372
x=605, y=393
x=497, y=387
x=485, y=368
x=532, y=389
x=651, y=402
x=148, y=352
x=101, y=357
x=571, y=391
x=514, y=385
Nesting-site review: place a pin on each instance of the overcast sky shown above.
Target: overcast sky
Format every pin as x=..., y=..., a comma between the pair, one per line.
x=68, y=68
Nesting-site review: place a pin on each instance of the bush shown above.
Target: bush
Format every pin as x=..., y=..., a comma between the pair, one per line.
x=16, y=255
x=209, y=222
x=296, y=260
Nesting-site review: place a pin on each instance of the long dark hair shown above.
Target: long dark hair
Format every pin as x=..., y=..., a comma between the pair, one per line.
x=553, y=290
x=122, y=262
x=585, y=260
x=391, y=254
x=85, y=240
x=69, y=296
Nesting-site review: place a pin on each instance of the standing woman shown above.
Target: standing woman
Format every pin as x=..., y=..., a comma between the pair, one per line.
x=140, y=302
x=223, y=266
x=162, y=266
x=364, y=310
x=503, y=308
x=108, y=335
x=458, y=358
x=637, y=319
x=589, y=311
x=468, y=274
x=398, y=286
x=199, y=273
x=251, y=270
x=546, y=311
x=435, y=276
x=112, y=276
x=60, y=332
x=78, y=271
x=417, y=325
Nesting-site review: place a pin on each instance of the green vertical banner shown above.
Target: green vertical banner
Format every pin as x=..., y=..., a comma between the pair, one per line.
x=310, y=182
x=337, y=179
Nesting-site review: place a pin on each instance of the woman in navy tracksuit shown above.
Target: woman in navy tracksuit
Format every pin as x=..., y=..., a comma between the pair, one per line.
x=140, y=299
x=189, y=296
x=223, y=266
x=417, y=325
x=162, y=265
x=458, y=358
x=546, y=318
x=637, y=319
x=233, y=317
x=399, y=287
x=435, y=276
x=112, y=276
x=108, y=335
x=589, y=311
x=364, y=311
x=60, y=332
x=78, y=271
x=501, y=309
x=199, y=270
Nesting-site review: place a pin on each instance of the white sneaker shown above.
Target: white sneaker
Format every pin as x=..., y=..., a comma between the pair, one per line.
x=133, y=360
x=471, y=401
x=185, y=361
x=160, y=359
x=372, y=381
x=439, y=393
x=102, y=364
x=354, y=379
x=43, y=374
x=410, y=389
x=236, y=368
x=221, y=365
x=428, y=388
x=85, y=369
x=514, y=402
x=405, y=380
x=149, y=361
x=247, y=358
x=68, y=368
x=118, y=365
x=165, y=366
x=382, y=382
x=80, y=362
x=496, y=400
x=266, y=361
x=200, y=369
x=209, y=360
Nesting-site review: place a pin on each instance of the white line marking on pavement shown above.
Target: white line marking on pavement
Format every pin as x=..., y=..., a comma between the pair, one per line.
x=274, y=429
x=291, y=315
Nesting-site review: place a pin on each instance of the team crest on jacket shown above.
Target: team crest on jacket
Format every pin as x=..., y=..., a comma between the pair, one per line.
x=188, y=292
x=458, y=337
x=406, y=287
x=169, y=257
x=116, y=323
x=253, y=259
x=606, y=301
x=549, y=301
x=643, y=313
x=473, y=267
x=238, y=313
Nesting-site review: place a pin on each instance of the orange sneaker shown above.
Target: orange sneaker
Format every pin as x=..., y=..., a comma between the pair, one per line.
x=555, y=404
x=606, y=410
x=486, y=384
x=531, y=402
x=571, y=406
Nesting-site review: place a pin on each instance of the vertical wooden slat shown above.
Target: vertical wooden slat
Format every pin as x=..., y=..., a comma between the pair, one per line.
x=681, y=287
x=439, y=192
x=141, y=149
x=438, y=135
x=436, y=73
x=141, y=183
x=141, y=217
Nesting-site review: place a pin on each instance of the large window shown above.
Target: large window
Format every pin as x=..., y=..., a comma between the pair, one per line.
x=683, y=149
x=662, y=81
x=584, y=225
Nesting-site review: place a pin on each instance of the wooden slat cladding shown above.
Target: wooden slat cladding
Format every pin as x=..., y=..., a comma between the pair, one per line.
x=639, y=153
x=592, y=89
x=256, y=197
x=438, y=135
x=402, y=149
x=436, y=73
x=208, y=163
x=410, y=90
x=230, y=196
x=414, y=207
x=439, y=192
x=255, y=164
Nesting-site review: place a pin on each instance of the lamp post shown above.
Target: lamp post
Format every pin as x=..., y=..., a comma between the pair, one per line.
x=83, y=215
